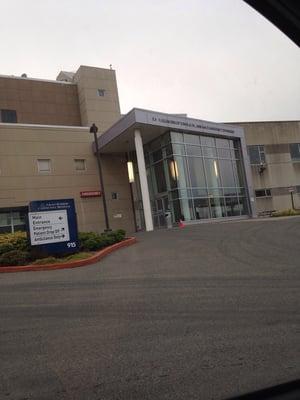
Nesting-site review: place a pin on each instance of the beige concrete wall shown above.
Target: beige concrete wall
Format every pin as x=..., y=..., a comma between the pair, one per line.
x=280, y=171
x=64, y=103
x=103, y=111
x=40, y=102
x=20, y=181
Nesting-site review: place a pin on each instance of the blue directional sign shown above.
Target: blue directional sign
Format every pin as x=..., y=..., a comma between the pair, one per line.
x=53, y=226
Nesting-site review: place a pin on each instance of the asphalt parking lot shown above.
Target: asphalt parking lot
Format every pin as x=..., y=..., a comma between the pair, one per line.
x=205, y=312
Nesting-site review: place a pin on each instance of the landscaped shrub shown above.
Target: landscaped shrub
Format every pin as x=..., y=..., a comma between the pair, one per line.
x=5, y=247
x=112, y=237
x=286, y=213
x=120, y=234
x=107, y=239
x=18, y=240
x=15, y=248
x=91, y=241
x=92, y=244
x=15, y=257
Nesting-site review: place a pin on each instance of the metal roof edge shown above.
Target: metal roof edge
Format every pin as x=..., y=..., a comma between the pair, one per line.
x=117, y=128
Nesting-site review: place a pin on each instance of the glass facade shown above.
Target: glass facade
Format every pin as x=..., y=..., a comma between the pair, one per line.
x=195, y=177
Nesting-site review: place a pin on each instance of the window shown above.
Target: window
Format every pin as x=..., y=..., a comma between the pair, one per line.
x=208, y=141
x=44, y=165
x=224, y=143
x=176, y=137
x=5, y=222
x=201, y=176
x=196, y=172
x=257, y=155
x=192, y=139
x=227, y=176
x=263, y=193
x=295, y=151
x=202, y=210
x=161, y=184
x=193, y=150
x=101, y=92
x=13, y=220
x=157, y=155
x=9, y=116
x=79, y=164
x=209, y=152
x=232, y=206
x=212, y=173
x=114, y=195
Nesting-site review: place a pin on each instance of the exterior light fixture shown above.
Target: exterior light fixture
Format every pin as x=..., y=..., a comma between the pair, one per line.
x=131, y=181
x=130, y=171
x=174, y=169
x=216, y=168
x=262, y=167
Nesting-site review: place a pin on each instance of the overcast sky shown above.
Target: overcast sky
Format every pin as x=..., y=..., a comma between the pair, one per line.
x=213, y=59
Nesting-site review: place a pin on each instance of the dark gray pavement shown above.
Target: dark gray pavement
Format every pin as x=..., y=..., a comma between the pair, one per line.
x=204, y=312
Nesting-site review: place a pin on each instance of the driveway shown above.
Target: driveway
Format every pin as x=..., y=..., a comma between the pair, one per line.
x=205, y=312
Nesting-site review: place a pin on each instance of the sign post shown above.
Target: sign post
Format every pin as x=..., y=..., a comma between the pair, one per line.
x=53, y=226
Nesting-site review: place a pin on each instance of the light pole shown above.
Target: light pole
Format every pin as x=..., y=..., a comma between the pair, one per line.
x=94, y=130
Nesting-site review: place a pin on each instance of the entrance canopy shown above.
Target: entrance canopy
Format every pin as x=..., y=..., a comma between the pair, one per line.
x=209, y=177
x=120, y=137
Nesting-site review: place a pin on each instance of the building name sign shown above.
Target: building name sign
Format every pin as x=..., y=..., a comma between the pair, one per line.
x=189, y=124
x=91, y=193
x=48, y=227
x=50, y=205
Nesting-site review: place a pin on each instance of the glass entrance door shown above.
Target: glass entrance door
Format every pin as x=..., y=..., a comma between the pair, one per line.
x=160, y=207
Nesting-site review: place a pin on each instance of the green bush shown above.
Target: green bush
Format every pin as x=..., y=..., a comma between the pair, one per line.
x=87, y=240
x=92, y=244
x=15, y=248
x=107, y=239
x=14, y=257
x=120, y=235
x=91, y=241
x=18, y=240
x=5, y=247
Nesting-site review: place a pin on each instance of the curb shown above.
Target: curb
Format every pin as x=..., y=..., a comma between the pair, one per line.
x=73, y=264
